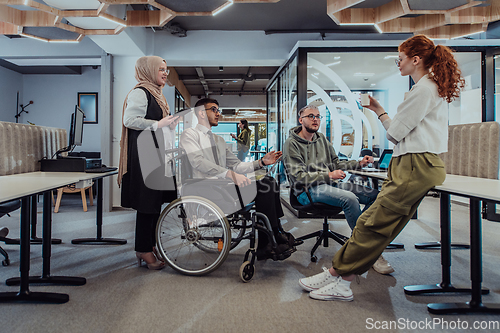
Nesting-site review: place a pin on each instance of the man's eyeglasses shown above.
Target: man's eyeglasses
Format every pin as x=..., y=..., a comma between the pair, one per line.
x=311, y=117
x=398, y=61
x=215, y=110
x=167, y=71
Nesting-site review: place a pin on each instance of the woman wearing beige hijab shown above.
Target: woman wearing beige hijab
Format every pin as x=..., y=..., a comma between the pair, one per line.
x=145, y=107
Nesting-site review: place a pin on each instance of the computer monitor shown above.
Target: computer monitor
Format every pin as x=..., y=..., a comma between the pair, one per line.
x=76, y=128
x=75, y=131
x=385, y=158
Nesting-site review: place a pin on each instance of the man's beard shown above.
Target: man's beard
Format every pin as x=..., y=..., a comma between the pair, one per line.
x=311, y=130
x=213, y=123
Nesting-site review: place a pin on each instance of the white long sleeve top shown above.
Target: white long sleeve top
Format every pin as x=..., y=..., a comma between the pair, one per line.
x=137, y=106
x=421, y=122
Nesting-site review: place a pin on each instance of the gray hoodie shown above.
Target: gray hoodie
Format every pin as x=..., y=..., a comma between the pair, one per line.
x=309, y=162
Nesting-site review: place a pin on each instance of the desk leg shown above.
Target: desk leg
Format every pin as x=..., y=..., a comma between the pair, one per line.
x=99, y=239
x=46, y=253
x=475, y=304
x=445, y=286
x=24, y=294
x=34, y=239
x=437, y=245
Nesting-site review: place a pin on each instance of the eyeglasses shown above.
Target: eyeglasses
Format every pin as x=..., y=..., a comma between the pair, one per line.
x=215, y=110
x=164, y=70
x=398, y=61
x=311, y=117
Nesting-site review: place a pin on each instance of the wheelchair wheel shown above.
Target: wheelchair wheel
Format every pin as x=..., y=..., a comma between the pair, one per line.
x=193, y=235
x=247, y=270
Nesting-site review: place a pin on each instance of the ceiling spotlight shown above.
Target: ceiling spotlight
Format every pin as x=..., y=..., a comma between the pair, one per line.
x=221, y=68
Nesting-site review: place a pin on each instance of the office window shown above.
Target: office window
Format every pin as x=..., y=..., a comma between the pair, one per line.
x=288, y=100
x=272, y=116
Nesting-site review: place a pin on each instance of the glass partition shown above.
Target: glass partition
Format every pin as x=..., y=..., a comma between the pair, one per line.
x=335, y=81
x=467, y=108
x=496, y=61
x=288, y=100
x=272, y=116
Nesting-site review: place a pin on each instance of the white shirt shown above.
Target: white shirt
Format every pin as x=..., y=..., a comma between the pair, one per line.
x=133, y=118
x=137, y=107
x=196, y=142
x=421, y=123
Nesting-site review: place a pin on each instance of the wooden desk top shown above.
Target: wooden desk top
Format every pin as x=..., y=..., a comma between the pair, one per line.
x=25, y=184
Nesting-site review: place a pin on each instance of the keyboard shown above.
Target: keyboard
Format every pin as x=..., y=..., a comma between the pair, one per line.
x=101, y=170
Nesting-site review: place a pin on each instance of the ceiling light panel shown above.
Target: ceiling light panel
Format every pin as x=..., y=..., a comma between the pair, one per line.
x=93, y=23
x=192, y=5
x=73, y=4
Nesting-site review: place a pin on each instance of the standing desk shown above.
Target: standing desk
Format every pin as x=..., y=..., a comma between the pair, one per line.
x=476, y=189
x=23, y=186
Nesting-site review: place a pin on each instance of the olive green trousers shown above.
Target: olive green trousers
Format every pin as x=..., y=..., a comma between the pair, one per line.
x=409, y=178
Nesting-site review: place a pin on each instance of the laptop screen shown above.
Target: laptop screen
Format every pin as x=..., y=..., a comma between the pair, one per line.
x=383, y=162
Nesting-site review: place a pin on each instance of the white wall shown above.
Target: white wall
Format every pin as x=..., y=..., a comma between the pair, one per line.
x=54, y=98
x=11, y=83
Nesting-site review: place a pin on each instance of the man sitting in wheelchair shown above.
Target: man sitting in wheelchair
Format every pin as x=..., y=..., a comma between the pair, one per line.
x=210, y=158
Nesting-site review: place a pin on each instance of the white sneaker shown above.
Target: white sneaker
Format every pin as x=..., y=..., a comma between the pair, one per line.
x=339, y=290
x=382, y=266
x=317, y=281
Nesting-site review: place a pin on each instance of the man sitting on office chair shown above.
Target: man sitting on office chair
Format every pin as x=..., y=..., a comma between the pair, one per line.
x=210, y=156
x=311, y=159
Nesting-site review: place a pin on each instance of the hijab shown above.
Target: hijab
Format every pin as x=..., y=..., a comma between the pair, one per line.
x=146, y=74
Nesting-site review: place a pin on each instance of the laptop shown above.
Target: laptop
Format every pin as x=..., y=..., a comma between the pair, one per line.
x=383, y=161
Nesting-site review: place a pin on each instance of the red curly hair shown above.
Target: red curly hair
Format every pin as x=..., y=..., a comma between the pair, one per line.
x=441, y=62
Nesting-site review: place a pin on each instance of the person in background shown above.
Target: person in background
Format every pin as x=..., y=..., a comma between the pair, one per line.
x=145, y=107
x=243, y=139
x=419, y=131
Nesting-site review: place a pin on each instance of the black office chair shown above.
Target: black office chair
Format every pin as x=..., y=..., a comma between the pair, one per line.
x=317, y=209
x=324, y=210
x=5, y=209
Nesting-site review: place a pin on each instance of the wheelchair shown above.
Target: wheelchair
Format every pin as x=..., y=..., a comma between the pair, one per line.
x=194, y=235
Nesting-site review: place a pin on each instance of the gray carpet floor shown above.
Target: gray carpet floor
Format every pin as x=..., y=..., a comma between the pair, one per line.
x=121, y=297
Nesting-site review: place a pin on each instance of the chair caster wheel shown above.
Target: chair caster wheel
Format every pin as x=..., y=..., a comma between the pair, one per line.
x=247, y=270
x=314, y=258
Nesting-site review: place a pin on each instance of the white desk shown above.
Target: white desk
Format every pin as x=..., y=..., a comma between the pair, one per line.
x=23, y=186
x=476, y=189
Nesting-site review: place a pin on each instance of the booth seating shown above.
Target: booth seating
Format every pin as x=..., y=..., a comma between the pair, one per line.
x=473, y=151
x=22, y=147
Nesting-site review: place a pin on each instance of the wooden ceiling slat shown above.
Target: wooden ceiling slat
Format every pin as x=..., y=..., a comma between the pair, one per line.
x=390, y=17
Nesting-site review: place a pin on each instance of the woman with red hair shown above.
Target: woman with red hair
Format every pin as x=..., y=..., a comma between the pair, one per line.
x=419, y=131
